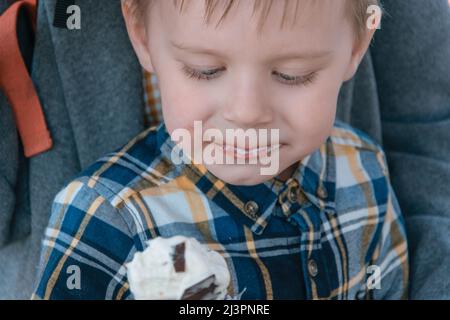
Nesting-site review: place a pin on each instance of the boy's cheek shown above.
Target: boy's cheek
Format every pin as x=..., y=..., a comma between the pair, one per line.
x=183, y=117
x=181, y=113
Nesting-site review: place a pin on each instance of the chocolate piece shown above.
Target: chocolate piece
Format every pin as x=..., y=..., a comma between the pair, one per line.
x=179, y=262
x=203, y=290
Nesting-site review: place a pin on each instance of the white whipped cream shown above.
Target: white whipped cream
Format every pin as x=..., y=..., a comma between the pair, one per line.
x=152, y=275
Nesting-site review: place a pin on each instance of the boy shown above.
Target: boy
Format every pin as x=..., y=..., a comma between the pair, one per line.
x=324, y=225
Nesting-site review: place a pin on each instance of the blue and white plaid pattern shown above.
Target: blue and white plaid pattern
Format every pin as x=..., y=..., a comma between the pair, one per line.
x=316, y=236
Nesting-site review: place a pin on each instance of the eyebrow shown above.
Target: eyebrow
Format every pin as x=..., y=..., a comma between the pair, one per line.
x=283, y=56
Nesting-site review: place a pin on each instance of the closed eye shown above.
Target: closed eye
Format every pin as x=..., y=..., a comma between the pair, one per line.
x=296, y=80
x=203, y=74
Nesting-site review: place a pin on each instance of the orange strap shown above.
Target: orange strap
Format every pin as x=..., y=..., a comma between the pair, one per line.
x=16, y=82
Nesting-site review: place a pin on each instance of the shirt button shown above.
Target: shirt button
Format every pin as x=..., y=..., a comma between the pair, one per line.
x=312, y=268
x=251, y=208
x=322, y=192
x=360, y=295
x=293, y=194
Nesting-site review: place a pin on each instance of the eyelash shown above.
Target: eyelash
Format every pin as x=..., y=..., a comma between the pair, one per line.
x=290, y=81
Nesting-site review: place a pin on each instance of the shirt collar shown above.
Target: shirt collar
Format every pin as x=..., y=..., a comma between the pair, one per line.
x=311, y=184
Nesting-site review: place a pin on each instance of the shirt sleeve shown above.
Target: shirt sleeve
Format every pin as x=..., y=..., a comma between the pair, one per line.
x=84, y=248
x=388, y=276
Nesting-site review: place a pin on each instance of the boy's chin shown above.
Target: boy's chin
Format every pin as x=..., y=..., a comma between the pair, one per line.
x=240, y=175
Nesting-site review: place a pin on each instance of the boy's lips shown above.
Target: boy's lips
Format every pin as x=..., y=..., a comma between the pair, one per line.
x=248, y=153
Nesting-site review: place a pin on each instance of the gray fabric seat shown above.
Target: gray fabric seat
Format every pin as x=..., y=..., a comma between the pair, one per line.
x=90, y=85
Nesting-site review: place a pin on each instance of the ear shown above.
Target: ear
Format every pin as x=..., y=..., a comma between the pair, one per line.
x=360, y=48
x=138, y=37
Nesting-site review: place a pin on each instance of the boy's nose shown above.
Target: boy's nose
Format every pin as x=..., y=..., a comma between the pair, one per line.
x=248, y=109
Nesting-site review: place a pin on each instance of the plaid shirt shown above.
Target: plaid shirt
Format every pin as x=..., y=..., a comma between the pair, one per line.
x=326, y=233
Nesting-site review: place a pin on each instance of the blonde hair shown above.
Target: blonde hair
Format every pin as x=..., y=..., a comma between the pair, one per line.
x=357, y=8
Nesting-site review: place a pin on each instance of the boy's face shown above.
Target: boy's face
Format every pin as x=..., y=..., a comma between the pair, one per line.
x=287, y=79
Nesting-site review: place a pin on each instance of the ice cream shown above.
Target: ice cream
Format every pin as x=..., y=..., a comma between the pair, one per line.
x=178, y=268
